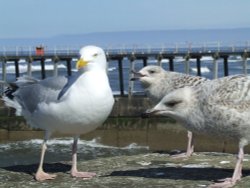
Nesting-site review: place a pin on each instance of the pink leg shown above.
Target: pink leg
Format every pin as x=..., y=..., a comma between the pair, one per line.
x=40, y=174
x=190, y=147
x=74, y=172
x=229, y=182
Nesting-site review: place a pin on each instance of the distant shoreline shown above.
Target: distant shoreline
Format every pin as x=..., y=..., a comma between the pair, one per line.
x=153, y=37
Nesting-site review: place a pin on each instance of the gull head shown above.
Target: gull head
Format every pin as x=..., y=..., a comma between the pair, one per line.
x=149, y=75
x=177, y=104
x=91, y=57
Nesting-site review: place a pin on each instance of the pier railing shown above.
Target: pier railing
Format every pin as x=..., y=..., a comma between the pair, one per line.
x=187, y=51
x=208, y=47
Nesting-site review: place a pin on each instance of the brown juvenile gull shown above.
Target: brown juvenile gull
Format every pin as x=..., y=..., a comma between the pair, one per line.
x=74, y=105
x=219, y=107
x=157, y=83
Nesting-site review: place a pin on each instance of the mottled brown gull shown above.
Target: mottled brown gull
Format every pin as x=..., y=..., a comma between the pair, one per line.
x=219, y=108
x=157, y=83
x=74, y=105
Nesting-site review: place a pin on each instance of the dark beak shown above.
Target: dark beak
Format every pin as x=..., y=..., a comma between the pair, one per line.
x=149, y=113
x=137, y=75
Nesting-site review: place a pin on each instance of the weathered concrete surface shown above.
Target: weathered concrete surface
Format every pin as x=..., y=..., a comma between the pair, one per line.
x=143, y=170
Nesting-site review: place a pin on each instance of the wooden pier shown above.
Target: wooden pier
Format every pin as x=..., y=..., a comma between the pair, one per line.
x=144, y=54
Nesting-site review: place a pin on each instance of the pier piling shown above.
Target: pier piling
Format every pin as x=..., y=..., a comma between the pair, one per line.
x=55, y=72
x=43, y=73
x=121, y=83
x=245, y=65
x=215, y=67
x=145, y=63
x=29, y=67
x=225, y=65
x=69, y=71
x=198, y=65
x=171, y=63
x=159, y=60
x=4, y=70
x=131, y=83
x=215, y=51
x=17, y=68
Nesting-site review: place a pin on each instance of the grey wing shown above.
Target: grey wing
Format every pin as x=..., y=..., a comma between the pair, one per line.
x=69, y=83
x=30, y=95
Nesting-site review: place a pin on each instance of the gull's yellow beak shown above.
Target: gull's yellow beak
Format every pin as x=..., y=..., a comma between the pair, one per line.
x=80, y=64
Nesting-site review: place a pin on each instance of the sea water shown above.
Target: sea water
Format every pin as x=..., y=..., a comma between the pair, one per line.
x=60, y=149
x=235, y=65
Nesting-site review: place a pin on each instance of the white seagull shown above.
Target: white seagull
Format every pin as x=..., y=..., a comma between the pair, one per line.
x=74, y=105
x=158, y=82
x=219, y=107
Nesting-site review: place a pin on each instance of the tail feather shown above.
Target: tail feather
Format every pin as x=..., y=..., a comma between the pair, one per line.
x=13, y=104
x=9, y=93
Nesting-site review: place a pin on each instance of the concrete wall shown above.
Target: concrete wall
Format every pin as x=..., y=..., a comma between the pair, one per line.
x=123, y=127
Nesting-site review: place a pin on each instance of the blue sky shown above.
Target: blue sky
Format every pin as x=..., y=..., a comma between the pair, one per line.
x=48, y=18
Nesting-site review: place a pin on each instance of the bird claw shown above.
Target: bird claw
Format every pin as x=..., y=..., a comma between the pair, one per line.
x=225, y=184
x=181, y=155
x=178, y=156
x=84, y=175
x=42, y=176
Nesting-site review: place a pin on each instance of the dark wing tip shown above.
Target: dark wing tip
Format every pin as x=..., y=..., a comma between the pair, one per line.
x=8, y=92
x=145, y=115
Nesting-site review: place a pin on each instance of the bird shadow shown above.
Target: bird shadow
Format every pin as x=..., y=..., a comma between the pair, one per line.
x=179, y=173
x=32, y=168
x=175, y=173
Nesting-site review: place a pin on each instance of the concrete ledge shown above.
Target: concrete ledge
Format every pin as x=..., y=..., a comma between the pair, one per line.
x=123, y=127
x=159, y=134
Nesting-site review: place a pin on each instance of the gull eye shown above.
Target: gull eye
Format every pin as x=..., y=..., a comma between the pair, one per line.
x=95, y=55
x=172, y=103
x=151, y=71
